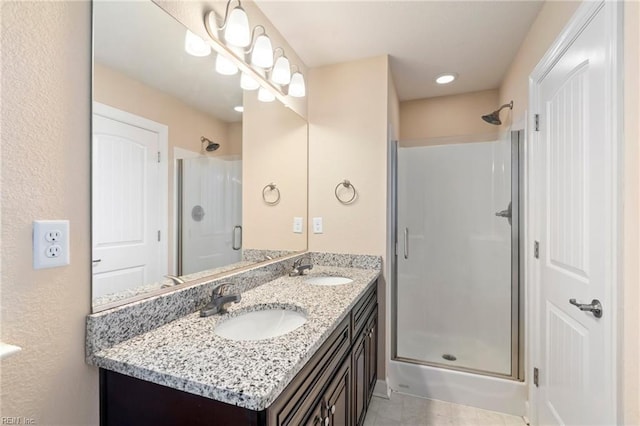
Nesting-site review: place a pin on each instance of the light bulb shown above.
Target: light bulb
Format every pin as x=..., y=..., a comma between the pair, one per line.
x=248, y=83
x=224, y=66
x=262, y=53
x=281, y=73
x=196, y=46
x=297, y=88
x=237, y=32
x=265, y=95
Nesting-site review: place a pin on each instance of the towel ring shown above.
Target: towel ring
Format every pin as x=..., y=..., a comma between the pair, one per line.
x=346, y=184
x=271, y=188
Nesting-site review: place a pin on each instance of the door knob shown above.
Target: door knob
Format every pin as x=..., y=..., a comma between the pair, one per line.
x=595, y=307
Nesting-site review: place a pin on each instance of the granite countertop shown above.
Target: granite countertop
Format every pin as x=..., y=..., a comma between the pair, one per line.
x=187, y=355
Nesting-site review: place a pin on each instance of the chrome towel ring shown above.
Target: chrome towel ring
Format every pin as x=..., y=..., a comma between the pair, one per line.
x=268, y=196
x=347, y=185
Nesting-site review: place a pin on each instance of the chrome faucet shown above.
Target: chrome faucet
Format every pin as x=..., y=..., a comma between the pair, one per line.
x=176, y=281
x=219, y=301
x=299, y=267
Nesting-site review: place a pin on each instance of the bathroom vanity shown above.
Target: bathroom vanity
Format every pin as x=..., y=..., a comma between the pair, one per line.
x=322, y=373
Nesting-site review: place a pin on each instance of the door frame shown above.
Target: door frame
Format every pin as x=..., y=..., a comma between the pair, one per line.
x=613, y=121
x=163, y=169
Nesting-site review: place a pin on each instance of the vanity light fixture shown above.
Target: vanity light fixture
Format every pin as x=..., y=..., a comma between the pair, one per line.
x=196, y=46
x=446, y=78
x=248, y=83
x=238, y=108
x=265, y=95
x=254, y=68
x=235, y=27
x=297, y=88
x=224, y=66
x=281, y=72
x=262, y=50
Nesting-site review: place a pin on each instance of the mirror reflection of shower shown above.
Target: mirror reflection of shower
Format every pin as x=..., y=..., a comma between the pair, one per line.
x=209, y=210
x=211, y=145
x=494, y=117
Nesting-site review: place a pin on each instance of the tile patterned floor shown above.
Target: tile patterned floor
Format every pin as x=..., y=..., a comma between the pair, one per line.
x=411, y=411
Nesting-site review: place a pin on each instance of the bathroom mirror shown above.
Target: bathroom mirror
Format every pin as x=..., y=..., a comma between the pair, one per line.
x=184, y=184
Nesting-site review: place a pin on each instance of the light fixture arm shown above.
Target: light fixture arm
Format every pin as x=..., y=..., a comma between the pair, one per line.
x=253, y=38
x=226, y=15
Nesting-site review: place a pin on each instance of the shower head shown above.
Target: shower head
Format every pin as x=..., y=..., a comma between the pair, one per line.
x=211, y=145
x=494, y=117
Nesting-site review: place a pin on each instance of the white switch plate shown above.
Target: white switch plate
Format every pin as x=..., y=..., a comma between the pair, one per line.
x=50, y=243
x=297, y=225
x=317, y=225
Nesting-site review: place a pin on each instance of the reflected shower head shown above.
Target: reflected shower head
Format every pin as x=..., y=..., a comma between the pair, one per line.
x=211, y=145
x=494, y=117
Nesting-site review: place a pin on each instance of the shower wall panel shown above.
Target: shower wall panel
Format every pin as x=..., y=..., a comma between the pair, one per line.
x=454, y=282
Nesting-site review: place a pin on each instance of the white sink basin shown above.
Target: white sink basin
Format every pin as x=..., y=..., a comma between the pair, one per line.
x=328, y=280
x=260, y=325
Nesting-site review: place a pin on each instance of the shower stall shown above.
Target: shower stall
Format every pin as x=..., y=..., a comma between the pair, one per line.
x=456, y=297
x=209, y=213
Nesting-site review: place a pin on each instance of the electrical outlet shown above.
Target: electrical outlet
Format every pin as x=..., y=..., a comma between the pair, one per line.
x=297, y=225
x=317, y=225
x=53, y=251
x=50, y=243
x=53, y=236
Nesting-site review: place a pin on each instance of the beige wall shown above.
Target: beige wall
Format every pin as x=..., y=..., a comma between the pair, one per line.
x=191, y=14
x=348, y=115
x=551, y=19
x=449, y=119
x=275, y=151
x=186, y=124
x=45, y=175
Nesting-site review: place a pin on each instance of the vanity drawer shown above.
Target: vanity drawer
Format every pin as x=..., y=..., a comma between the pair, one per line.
x=298, y=399
x=362, y=310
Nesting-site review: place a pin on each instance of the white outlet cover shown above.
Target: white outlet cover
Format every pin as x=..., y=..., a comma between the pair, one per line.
x=50, y=243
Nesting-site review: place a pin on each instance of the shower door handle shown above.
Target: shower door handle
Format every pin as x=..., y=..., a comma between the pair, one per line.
x=505, y=213
x=406, y=243
x=238, y=246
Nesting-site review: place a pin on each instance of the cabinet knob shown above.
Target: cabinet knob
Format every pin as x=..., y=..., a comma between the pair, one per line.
x=333, y=409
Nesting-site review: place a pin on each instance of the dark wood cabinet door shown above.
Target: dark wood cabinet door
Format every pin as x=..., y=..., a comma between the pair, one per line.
x=359, y=377
x=317, y=415
x=372, y=354
x=339, y=397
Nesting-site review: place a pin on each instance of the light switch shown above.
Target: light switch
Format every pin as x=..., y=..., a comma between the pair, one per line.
x=297, y=225
x=317, y=225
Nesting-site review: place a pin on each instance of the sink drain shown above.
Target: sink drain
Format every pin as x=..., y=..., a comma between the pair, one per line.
x=449, y=357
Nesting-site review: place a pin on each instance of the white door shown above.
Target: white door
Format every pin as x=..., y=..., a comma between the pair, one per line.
x=129, y=242
x=574, y=216
x=212, y=213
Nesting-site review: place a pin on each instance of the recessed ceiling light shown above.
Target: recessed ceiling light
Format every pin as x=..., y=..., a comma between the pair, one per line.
x=446, y=78
x=239, y=108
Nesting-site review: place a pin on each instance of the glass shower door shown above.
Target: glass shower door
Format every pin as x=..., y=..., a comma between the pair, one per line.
x=211, y=204
x=455, y=301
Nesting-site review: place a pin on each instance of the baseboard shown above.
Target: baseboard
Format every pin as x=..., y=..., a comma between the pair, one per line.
x=382, y=389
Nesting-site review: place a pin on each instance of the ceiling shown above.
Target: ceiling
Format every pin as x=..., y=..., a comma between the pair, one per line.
x=475, y=39
x=142, y=41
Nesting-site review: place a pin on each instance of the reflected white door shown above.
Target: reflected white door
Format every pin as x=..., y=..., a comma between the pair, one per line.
x=212, y=213
x=129, y=248
x=575, y=210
